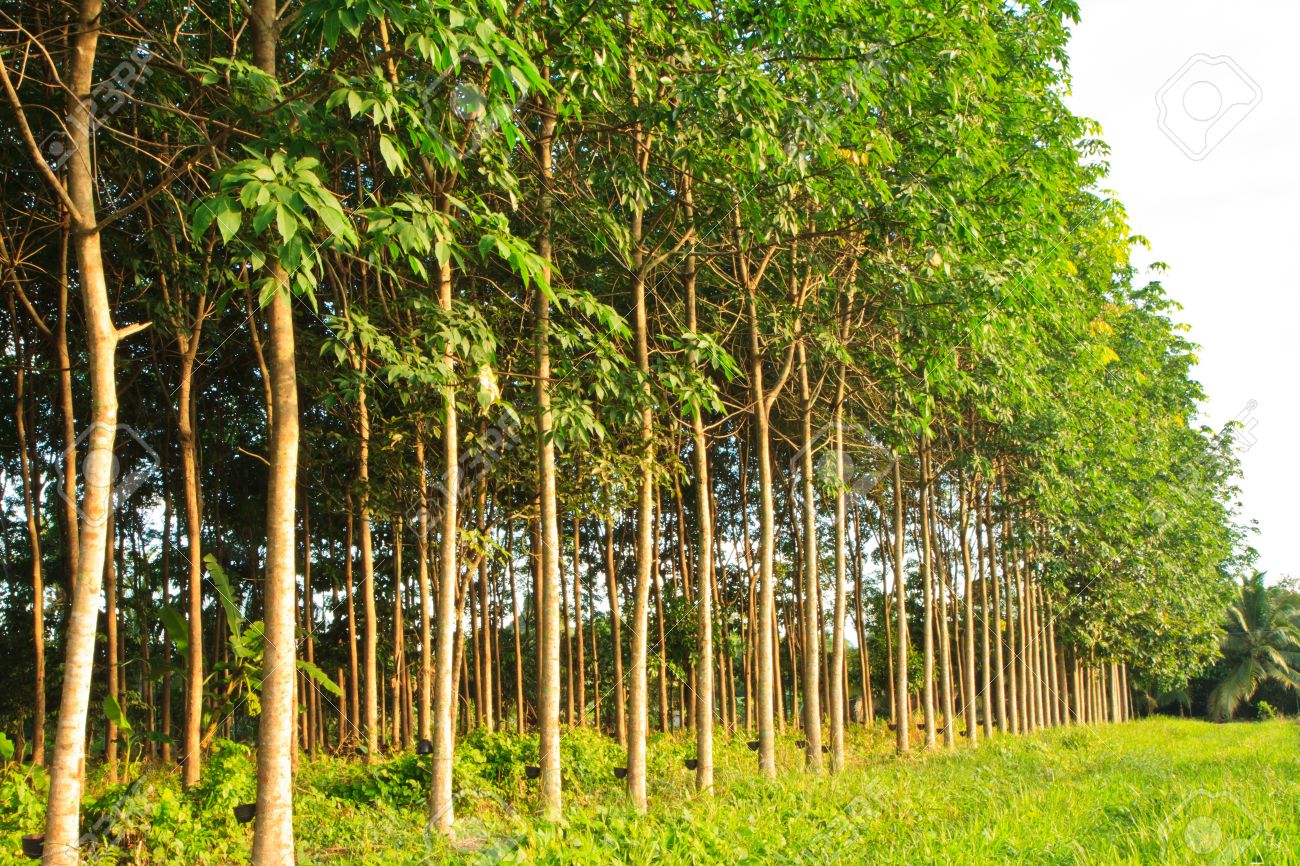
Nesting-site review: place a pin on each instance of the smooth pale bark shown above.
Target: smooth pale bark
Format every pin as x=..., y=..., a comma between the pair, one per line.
x=646, y=534
x=942, y=599
x=998, y=615
x=766, y=548
x=704, y=589
x=426, y=601
x=67, y=765
x=902, y=711
x=864, y=660
x=968, y=608
x=812, y=634
x=548, y=698
x=441, y=810
x=616, y=633
x=988, y=614
x=514, y=612
x=927, y=595
x=1014, y=648
x=354, y=685
x=837, y=673
x=371, y=644
x=273, y=832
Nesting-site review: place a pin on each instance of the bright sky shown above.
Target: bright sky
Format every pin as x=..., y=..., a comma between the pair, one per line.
x=1215, y=187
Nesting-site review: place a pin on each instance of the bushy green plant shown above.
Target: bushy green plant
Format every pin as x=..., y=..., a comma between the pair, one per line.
x=23, y=789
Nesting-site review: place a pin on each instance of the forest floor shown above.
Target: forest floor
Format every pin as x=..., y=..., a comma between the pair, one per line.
x=1152, y=791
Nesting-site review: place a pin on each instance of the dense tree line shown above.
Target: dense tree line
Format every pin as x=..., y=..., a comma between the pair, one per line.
x=383, y=370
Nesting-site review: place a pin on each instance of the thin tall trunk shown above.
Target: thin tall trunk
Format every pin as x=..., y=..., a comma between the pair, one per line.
x=968, y=607
x=568, y=647
x=927, y=595
x=165, y=567
x=309, y=629
x=988, y=615
x=548, y=645
x=486, y=628
x=658, y=587
x=646, y=546
x=577, y=617
x=812, y=634
x=514, y=612
x=704, y=587
x=33, y=539
x=354, y=685
x=766, y=550
x=111, y=646
x=67, y=767
x=998, y=615
x=399, y=638
x=837, y=671
x=426, y=602
x=902, y=711
x=273, y=834
x=615, y=632
x=442, y=814
x=371, y=646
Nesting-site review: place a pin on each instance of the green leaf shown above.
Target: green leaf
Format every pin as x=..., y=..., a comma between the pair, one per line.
x=392, y=157
x=177, y=628
x=228, y=220
x=114, y=713
x=322, y=679
x=226, y=594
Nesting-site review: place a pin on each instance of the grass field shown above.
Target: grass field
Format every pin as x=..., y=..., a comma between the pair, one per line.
x=1155, y=791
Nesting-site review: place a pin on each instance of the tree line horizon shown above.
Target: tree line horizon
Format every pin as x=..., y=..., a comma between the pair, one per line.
x=380, y=371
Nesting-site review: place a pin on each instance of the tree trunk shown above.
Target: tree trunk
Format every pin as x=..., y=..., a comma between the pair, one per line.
x=426, y=602
x=514, y=611
x=812, y=634
x=704, y=541
x=33, y=539
x=371, y=646
x=927, y=594
x=902, y=711
x=766, y=549
x=577, y=618
x=273, y=833
x=615, y=632
x=442, y=814
x=998, y=616
x=968, y=607
x=187, y=440
x=354, y=685
x=111, y=663
x=837, y=671
x=67, y=766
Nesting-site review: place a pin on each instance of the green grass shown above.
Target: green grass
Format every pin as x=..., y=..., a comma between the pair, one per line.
x=1155, y=791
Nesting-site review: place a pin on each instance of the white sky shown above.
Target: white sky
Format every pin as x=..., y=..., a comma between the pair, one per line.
x=1227, y=223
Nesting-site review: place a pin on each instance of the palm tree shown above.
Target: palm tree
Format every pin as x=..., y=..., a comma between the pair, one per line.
x=1261, y=642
